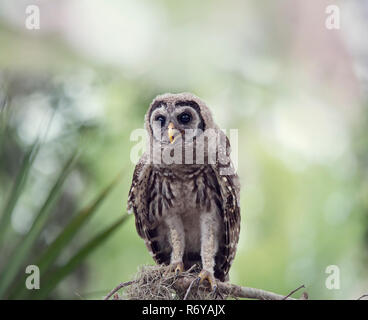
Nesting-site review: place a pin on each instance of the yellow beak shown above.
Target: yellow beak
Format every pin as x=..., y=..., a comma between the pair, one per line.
x=171, y=131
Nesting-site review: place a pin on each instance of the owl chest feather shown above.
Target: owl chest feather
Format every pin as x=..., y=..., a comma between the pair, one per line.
x=182, y=192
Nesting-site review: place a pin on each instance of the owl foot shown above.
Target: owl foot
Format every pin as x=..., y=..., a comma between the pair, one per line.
x=206, y=275
x=177, y=267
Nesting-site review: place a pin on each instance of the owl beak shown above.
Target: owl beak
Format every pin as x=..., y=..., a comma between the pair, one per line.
x=171, y=132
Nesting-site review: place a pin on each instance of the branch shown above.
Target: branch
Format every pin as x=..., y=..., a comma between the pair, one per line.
x=117, y=288
x=235, y=291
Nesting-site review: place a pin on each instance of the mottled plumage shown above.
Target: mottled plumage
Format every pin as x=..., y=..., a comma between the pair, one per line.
x=186, y=213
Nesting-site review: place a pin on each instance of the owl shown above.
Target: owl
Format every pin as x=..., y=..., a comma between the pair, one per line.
x=185, y=191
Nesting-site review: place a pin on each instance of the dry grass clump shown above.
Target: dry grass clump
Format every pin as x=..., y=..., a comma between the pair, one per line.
x=158, y=283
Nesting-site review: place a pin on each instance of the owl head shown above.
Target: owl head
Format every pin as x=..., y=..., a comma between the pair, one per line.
x=174, y=117
x=182, y=131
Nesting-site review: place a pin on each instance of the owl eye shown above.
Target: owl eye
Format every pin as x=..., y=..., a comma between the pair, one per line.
x=184, y=118
x=162, y=119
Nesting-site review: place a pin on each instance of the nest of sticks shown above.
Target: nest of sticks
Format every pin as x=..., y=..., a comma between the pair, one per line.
x=159, y=283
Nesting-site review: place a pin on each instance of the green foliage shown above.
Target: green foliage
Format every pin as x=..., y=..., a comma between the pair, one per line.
x=12, y=280
x=17, y=188
x=89, y=247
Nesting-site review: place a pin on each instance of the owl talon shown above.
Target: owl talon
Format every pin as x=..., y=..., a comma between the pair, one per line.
x=176, y=267
x=179, y=268
x=206, y=275
x=214, y=289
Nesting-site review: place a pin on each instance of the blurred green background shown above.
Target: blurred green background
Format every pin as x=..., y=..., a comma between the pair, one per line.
x=296, y=91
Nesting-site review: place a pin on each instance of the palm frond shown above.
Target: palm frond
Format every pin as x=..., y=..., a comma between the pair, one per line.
x=54, y=279
x=12, y=268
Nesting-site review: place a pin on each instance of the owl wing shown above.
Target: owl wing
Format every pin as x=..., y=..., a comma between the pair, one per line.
x=138, y=199
x=230, y=211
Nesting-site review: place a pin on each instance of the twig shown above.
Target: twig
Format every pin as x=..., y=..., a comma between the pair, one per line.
x=292, y=292
x=192, y=268
x=121, y=285
x=189, y=288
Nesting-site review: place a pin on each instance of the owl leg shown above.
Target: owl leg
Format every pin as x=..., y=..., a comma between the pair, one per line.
x=209, y=246
x=177, y=241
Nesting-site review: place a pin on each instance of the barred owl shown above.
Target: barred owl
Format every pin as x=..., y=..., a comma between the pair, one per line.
x=185, y=192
